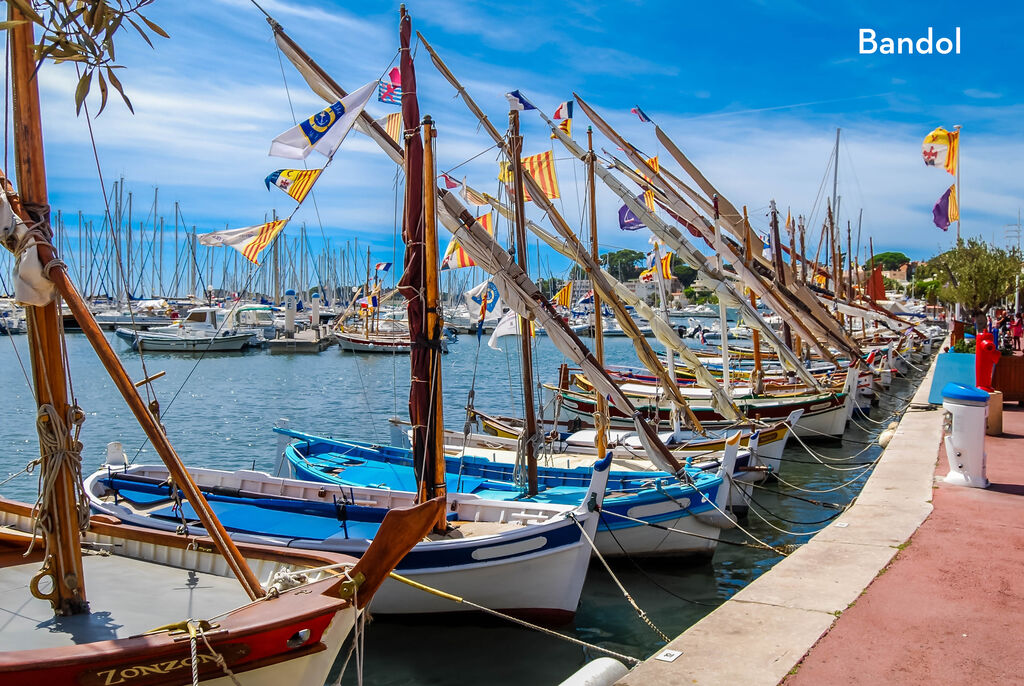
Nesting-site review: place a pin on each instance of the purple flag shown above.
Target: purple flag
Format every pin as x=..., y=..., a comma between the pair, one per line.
x=629, y=221
x=940, y=213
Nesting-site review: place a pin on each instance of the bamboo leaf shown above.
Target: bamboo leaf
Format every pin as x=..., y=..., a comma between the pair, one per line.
x=155, y=28
x=82, y=90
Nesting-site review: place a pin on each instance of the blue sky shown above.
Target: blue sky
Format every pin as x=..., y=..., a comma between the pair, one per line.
x=752, y=91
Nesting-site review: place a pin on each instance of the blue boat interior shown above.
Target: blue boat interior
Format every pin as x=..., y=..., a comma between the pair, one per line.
x=294, y=519
x=353, y=463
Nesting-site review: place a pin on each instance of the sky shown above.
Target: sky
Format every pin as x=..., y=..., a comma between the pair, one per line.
x=752, y=91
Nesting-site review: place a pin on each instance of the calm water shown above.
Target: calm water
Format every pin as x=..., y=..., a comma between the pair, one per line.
x=219, y=414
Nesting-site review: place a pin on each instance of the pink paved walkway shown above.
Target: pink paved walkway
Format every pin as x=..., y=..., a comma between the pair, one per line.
x=950, y=607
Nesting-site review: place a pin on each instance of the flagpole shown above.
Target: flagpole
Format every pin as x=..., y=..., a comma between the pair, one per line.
x=959, y=203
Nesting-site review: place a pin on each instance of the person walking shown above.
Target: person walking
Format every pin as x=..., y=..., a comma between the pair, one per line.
x=1017, y=330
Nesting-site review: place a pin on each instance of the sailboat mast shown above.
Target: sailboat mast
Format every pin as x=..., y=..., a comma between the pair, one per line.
x=723, y=315
x=780, y=270
x=49, y=376
x=530, y=425
x=435, y=431
x=419, y=286
x=601, y=440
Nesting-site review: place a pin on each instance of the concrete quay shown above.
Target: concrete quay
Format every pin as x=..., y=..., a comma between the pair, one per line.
x=759, y=636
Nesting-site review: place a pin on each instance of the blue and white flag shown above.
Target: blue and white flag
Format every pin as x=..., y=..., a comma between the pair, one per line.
x=325, y=130
x=474, y=299
x=516, y=101
x=390, y=91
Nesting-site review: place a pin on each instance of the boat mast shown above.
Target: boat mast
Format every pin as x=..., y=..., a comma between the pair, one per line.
x=50, y=375
x=723, y=314
x=530, y=424
x=419, y=286
x=756, y=335
x=780, y=269
x=601, y=439
x=59, y=503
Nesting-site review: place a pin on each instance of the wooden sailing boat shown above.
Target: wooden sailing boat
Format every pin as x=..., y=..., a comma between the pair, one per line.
x=491, y=552
x=142, y=629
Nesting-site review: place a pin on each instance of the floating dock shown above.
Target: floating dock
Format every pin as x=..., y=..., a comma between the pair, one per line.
x=314, y=340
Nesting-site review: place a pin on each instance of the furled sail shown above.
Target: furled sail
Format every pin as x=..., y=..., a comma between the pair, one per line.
x=687, y=252
x=522, y=295
x=720, y=400
x=578, y=251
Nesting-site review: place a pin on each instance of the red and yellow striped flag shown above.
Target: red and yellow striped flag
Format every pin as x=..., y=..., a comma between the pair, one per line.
x=249, y=240
x=541, y=167
x=455, y=256
x=564, y=296
x=393, y=126
x=666, y=266
x=565, y=126
x=649, y=195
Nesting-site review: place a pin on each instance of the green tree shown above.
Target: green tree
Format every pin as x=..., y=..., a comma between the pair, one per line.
x=685, y=273
x=623, y=264
x=550, y=286
x=977, y=275
x=888, y=260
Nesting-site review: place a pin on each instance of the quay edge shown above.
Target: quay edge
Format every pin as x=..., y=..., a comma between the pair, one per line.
x=760, y=634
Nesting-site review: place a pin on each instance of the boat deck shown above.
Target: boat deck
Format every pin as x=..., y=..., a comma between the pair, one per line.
x=128, y=597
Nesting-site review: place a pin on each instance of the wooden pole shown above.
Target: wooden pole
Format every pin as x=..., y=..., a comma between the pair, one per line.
x=435, y=430
x=748, y=234
x=601, y=440
x=530, y=425
x=44, y=330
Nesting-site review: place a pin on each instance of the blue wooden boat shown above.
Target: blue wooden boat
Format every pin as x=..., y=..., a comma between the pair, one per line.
x=694, y=508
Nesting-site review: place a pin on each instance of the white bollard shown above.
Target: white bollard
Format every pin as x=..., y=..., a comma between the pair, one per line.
x=604, y=671
x=965, y=434
x=289, y=313
x=314, y=319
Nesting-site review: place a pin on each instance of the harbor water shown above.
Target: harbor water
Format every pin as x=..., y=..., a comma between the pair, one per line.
x=219, y=410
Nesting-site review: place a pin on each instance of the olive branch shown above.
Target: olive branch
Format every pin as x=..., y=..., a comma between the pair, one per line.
x=82, y=31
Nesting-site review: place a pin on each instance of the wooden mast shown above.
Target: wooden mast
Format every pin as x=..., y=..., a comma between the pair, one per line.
x=431, y=257
x=749, y=252
x=419, y=286
x=601, y=440
x=780, y=269
x=47, y=349
x=49, y=376
x=530, y=426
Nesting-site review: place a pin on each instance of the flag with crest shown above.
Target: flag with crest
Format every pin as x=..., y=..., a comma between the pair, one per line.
x=295, y=182
x=249, y=240
x=325, y=130
x=941, y=148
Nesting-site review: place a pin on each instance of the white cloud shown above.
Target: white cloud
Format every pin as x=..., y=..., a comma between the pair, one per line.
x=979, y=94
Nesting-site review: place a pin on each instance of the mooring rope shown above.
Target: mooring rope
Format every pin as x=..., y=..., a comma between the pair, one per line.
x=629, y=599
x=515, y=620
